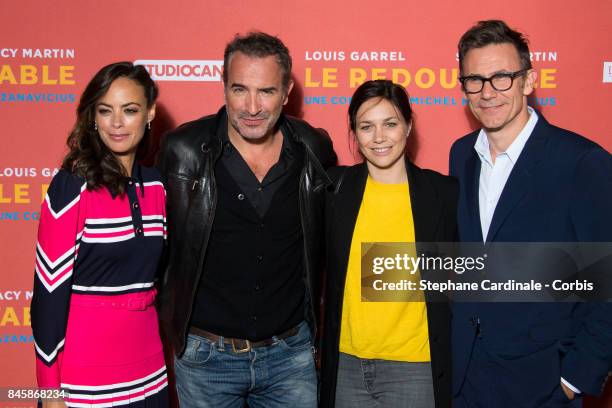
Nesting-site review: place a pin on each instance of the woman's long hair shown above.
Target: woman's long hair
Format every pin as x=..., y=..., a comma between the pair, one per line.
x=88, y=156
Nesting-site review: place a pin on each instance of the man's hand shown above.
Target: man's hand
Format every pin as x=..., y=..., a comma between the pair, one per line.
x=568, y=393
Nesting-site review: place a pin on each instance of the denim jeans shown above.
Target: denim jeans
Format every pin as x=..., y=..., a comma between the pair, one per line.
x=383, y=383
x=210, y=374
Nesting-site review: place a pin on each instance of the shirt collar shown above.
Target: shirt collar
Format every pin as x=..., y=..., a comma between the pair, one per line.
x=516, y=147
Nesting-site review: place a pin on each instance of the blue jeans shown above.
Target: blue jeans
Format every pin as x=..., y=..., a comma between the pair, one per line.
x=383, y=383
x=210, y=374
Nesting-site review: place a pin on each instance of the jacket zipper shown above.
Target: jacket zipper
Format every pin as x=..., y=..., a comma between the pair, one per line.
x=204, y=244
x=312, y=300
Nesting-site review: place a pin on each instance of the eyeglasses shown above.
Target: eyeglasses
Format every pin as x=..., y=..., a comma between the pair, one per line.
x=503, y=81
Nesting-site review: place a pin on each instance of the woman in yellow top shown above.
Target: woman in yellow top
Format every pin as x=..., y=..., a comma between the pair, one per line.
x=390, y=353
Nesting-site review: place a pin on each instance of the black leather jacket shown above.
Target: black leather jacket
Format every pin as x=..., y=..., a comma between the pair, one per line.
x=187, y=162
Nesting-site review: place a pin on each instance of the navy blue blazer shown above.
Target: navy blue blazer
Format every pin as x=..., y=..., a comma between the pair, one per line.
x=560, y=190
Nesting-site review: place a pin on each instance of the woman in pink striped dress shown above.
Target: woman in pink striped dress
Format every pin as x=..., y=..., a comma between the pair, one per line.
x=100, y=240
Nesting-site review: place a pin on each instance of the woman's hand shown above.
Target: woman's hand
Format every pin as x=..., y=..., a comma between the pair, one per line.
x=56, y=403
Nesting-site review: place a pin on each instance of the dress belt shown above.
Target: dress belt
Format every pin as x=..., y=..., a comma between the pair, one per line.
x=131, y=301
x=243, y=345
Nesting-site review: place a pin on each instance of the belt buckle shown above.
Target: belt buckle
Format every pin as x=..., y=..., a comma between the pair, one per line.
x=136, y=304
x=242, y=350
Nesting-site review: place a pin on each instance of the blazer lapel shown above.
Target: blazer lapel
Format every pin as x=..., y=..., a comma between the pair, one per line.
x=426, y=206
x=472, y=177
x=348, y=199
x=520, y=180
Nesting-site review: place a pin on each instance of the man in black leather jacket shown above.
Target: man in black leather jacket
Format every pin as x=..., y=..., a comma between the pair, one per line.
x=240, y=296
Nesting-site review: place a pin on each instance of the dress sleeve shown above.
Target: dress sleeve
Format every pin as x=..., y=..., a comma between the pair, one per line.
x=59, y=231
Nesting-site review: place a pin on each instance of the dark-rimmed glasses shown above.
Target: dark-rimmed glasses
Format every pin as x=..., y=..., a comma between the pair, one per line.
x=502, y=81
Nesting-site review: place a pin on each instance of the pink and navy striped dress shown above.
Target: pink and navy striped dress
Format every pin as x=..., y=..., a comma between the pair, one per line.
x=93, y=319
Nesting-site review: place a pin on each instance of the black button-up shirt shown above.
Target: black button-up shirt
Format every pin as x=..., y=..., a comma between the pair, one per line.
x=252, y=285
x=259, y=194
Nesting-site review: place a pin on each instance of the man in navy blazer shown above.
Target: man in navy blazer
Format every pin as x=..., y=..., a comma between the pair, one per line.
x=525, y=180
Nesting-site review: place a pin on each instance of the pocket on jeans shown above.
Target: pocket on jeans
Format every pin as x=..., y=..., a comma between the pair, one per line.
x=197, y=351
x=298, y=342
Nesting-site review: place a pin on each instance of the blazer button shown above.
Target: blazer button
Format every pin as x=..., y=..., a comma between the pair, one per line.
x=241, y=196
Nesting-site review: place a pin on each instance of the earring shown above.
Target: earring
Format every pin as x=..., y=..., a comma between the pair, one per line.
x=95, y=126
x=149, y=125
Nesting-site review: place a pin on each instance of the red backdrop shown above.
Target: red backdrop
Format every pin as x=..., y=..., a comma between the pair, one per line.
x=48, y=52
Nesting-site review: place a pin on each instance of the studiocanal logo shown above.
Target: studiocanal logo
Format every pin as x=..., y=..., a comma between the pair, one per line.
x=37, y=75
x=184, y=70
